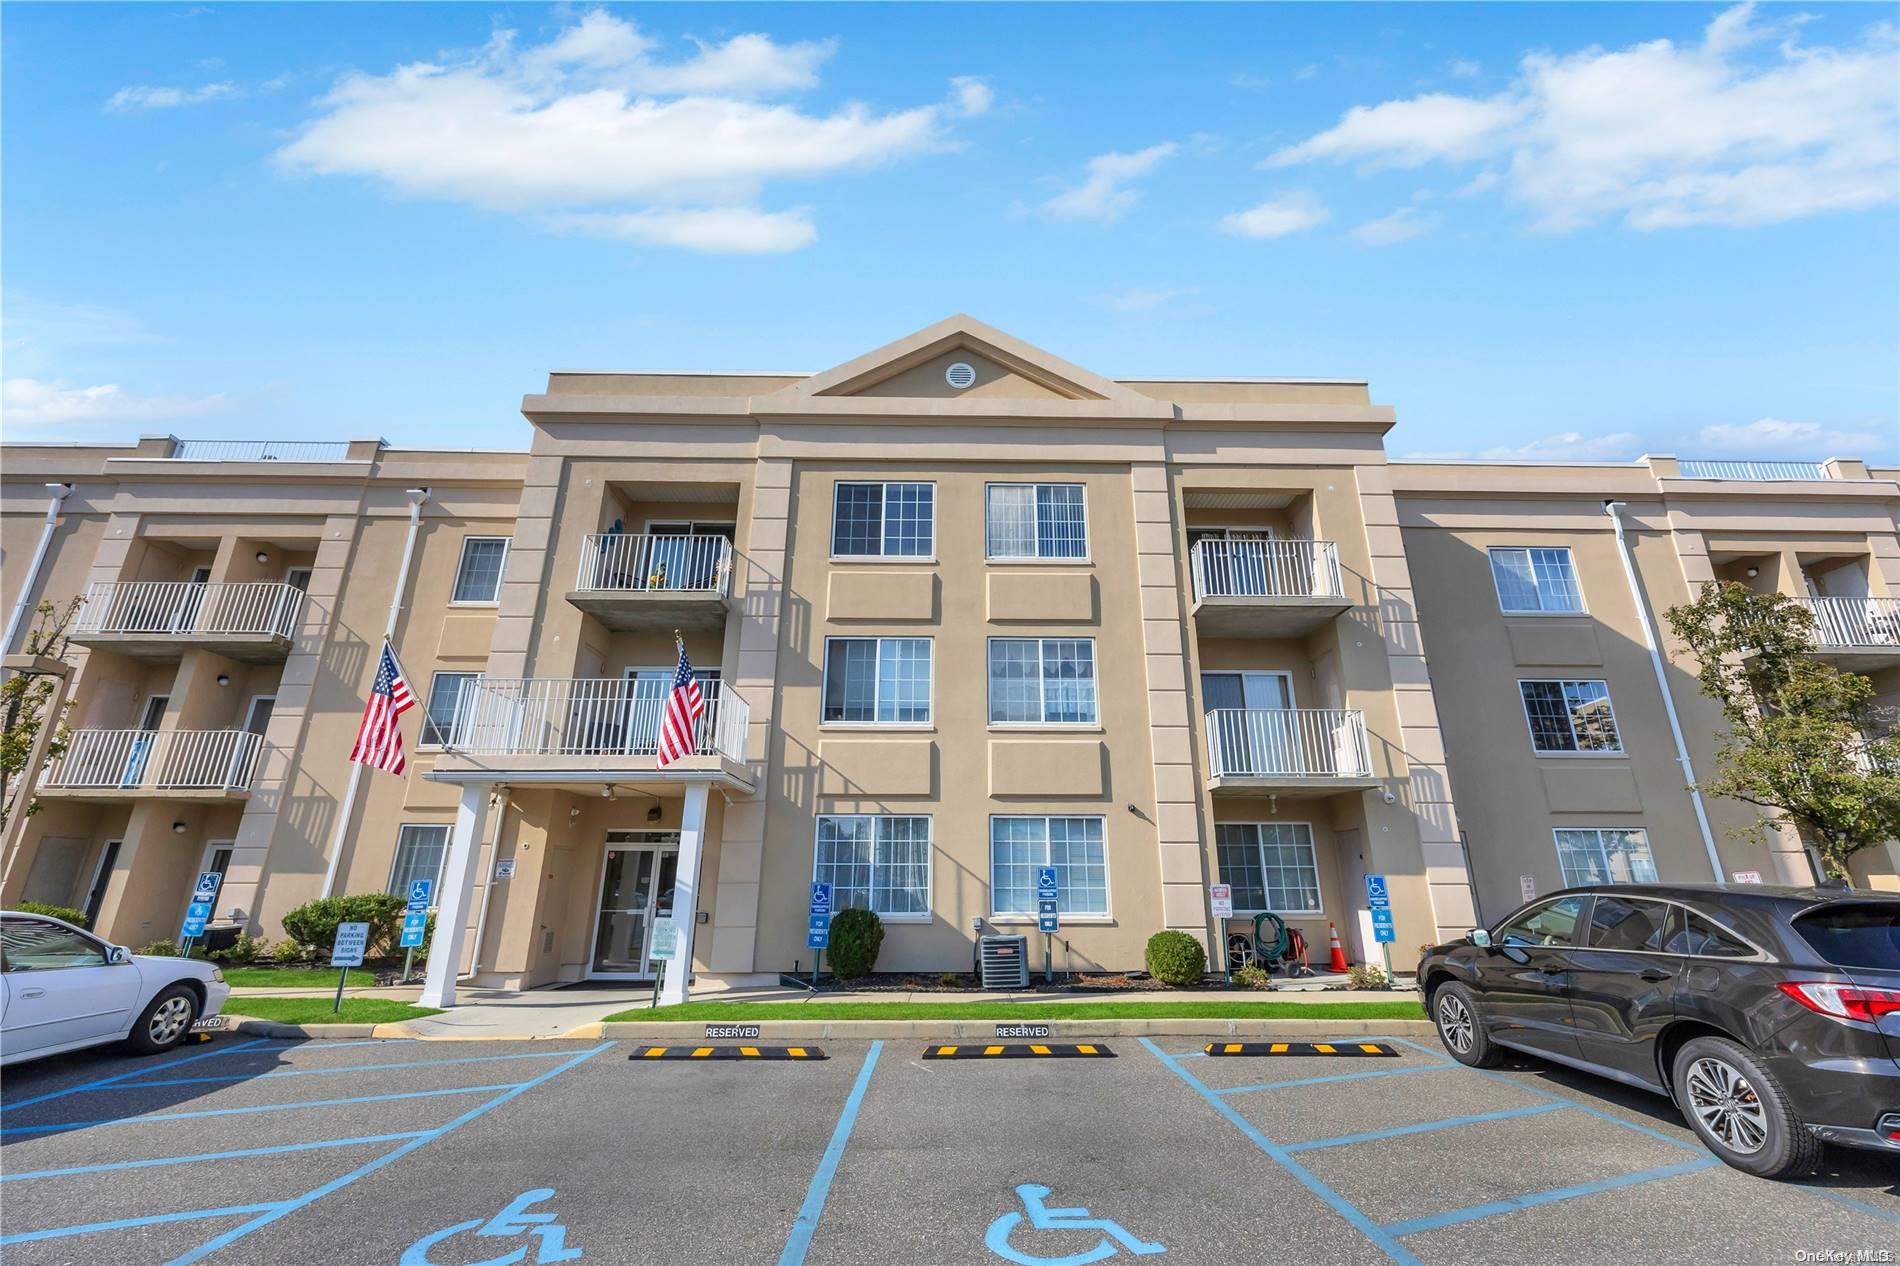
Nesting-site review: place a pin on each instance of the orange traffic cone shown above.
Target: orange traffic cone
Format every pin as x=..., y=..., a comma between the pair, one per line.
x=1338, y=962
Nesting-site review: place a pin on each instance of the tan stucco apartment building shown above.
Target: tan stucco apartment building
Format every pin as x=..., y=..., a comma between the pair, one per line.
x=960, y=609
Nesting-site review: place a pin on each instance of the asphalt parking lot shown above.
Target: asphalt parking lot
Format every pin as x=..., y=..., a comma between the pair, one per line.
x=458, y=1153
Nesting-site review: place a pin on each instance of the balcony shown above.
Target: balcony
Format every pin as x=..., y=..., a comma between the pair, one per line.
x=588, y=730
x=632, y=580
x=1857, y=634
x=161, y=619
x=1288, y=751
x=107, y=765
x=1265, y=588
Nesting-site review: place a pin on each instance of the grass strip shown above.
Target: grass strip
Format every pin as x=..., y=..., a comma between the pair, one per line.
x=317, y=1010
x=1027, y=1010
x=294, y=977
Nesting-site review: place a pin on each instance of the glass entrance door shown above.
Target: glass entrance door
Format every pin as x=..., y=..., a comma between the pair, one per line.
x=636, y=887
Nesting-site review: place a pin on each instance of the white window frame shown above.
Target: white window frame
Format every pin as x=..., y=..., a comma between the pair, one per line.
x=1095, y=663
x=824, y=685
x=831, y=534
x=428, y=719
x=1286, y=678
x=1312, y=847
x=928, y=913
x=1491, y=553
x=1557, y=832
x=250, y=710
x=501, y=573
x=1530, y=729
x=1088, y=539
x=204, y=859
x=435, y=880
x=1068, y=917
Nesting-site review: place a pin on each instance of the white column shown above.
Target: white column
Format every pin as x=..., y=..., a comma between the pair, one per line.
x=451, y=907
x=686, y=892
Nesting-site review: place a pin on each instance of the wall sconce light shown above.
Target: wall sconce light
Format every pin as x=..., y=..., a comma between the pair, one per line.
x=1753, y=572
x=224, y=679
x=653, y=813
x=607, y=792
x=262, y=557
x=574, y=812
x=178, y=828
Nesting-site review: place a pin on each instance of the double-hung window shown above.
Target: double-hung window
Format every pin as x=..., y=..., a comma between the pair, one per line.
x=883, y=520
x=419, y=853
x=1270, y=865
x=875, y=862
x=1605, y=855
x=1531, y=580
x=478, y=575
x=1021, y=846
x=438, y=722
x=1035, y=521
x=1570, y=716
x=1042, y=681
x=876, y=680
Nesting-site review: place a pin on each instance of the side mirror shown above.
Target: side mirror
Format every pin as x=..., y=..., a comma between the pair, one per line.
x=119, y=956
x=1479, y=937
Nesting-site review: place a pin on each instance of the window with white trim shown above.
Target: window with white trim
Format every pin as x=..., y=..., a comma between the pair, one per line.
x=883, y=520
x=1605, y=855
x=876, y=862
x=438, y=718
x=420, y=852
x=1021, y=846
x=1035, y=521
x=1570, y=716
x=1042, y=681
x=1271, y=865
x=478, y=575
x=1535, y=579
x=877, y=680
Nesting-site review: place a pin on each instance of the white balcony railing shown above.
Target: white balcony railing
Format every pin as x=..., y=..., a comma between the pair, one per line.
x=587, y=716
x=182, y=607
x=1751, y=470
x=1288, y=743
x=629, y=562
x=1845, y=622
x=158, y=760
x=260, y=451
x=1229, y=568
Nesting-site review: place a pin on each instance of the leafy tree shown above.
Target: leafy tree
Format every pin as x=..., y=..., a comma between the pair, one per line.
x=25, y=698
x=1802, y=739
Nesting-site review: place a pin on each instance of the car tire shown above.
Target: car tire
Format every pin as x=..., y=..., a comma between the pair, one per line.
x=166, y=1021
x=1460, y=1022
x=1740, y=1112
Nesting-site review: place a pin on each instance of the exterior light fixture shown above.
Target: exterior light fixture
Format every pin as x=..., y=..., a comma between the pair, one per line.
x=1753, y=572
x=607, y=792
x=178, y=828
x=224, y=679
x=653, y=814
x=262, y=557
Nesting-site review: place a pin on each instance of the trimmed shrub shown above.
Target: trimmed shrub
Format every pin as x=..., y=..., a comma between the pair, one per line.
x=1366, y=976
x=166, y=948
x=75, y=917
x=1175, y=958
x=856, y=937
x=245, y=949
x=314, y=922
x=1252, y=976
x=287, y=953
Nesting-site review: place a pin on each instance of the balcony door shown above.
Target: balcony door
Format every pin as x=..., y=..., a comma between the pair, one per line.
x=1250, y=728
x=141, y=747
x=636, y=887
x=1237, y=565
x=647, y=689
x=678, y=561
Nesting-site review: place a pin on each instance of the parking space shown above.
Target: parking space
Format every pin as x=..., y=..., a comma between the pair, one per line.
x=441, y=1154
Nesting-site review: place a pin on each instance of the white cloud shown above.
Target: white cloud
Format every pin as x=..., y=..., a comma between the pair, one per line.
x=1104, y=194
x=1570, y=446
x=1463, y=68
x=671, y=153
x=142, y=97
x=1802, y=439
x=1276, y=217
x=32, y=403
x=971, y=95
x=1401, y=226
x=1747, y=127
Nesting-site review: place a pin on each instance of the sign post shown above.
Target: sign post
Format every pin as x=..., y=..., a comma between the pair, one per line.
x=1220, y=900
x=1379, y=900
x=1048, y=919
x=204, y=895
x=415, y=922
x=351, y=940
x=818, y=926
x=666, y=948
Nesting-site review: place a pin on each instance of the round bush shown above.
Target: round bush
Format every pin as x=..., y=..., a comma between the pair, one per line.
x=856, y=937
x=314, y=923
x=1175, y=958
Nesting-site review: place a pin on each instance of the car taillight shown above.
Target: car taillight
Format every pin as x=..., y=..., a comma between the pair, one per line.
x=1843, y=1002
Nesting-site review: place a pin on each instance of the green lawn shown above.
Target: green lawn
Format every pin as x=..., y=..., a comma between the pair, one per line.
x=763, y=1011
x=317, y=1010
x=294, y=977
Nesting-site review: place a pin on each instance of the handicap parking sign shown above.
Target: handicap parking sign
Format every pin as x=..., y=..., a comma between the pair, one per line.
x=1382, y=930
x=197, y=914
x=419, y=893
x=1376, y=896
x=818, y=930
x=1047, y=920
x=1046, y=883
x=820, y=897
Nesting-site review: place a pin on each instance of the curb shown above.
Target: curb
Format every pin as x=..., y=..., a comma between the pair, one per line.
x=664, y=1031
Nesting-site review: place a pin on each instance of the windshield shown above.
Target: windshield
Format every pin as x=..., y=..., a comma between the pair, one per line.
x=1854, y=935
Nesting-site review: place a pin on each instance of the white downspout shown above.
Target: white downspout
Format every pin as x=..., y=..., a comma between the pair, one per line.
x=344, y=812
x=25, y=601
x=1615, y=510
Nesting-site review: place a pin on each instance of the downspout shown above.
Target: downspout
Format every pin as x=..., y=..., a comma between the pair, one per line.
x=25, y=601
x=1615, y=510
x=416, y=497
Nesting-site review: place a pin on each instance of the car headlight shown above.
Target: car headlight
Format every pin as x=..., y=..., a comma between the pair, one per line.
x=217, y=974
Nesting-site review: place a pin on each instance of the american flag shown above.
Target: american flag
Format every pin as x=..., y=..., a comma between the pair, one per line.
x=379, y=738
x=685, y=704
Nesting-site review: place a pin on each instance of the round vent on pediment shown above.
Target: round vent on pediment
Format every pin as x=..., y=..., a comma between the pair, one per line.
x=960, y=375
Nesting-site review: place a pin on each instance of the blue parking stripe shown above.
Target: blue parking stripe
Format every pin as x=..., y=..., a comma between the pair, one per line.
x=1514, y=1203
x=1852, y=1203
x=1380, y=1236
x=353, y=1068
x=136, y=1072
x=806, y=1224
x=156, y=1219
x=262, y=1107
x=160, y=1161
x=1426, y=1127
x=1317, y=1081
x=337, y=1184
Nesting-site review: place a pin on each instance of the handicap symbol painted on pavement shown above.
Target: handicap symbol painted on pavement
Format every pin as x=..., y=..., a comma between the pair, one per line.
x=1043, y=1218
x=513, y=1220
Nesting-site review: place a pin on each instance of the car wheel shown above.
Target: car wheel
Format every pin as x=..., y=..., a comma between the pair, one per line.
x=1455, y=1011
x=1740, y=1111
x=166, y=1022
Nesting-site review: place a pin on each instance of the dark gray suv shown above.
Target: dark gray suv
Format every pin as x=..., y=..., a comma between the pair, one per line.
x=1770, y=1016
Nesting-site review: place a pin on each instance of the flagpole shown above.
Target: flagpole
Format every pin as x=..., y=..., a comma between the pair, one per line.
x=347, y=809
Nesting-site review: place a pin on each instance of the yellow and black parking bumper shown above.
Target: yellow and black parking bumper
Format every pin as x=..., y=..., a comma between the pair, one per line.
x=1353, y=1049
x=1033, y=1050
x=727, y=1052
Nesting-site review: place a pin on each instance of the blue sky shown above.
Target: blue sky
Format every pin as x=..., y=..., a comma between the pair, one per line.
x=1542, y=230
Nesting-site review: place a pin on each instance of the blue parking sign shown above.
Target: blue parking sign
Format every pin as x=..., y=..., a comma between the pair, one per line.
x=1377, y=896
x=419, y=890
x=197, y=914
x=415, y=928
x=1382, y=930
x=818, y=930
x=820, y=897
